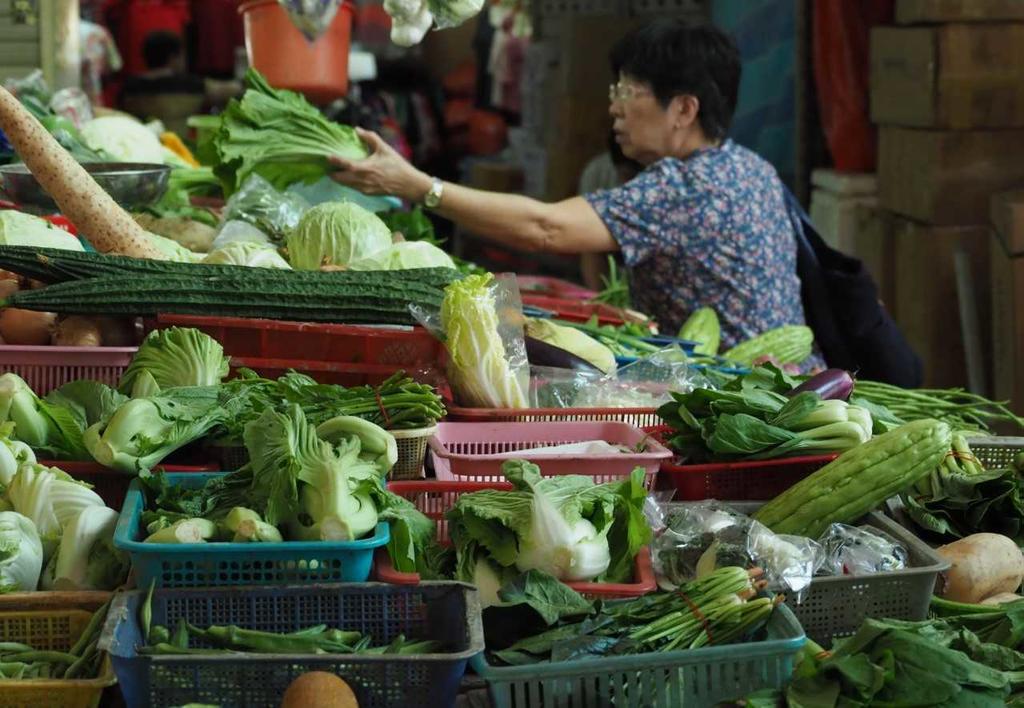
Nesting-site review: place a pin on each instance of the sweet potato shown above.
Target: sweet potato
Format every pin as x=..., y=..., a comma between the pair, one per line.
x=982, y=565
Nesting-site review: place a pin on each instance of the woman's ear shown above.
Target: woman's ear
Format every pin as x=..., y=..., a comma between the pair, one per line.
x=685, y=109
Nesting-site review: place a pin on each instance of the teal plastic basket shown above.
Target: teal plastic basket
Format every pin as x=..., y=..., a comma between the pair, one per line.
x=170, y=565
x=679, y=679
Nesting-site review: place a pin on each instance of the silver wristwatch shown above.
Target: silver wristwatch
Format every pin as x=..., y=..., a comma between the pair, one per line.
x=434, y=194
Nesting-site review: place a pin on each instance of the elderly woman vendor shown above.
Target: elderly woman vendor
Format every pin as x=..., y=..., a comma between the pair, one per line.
x=704, y=223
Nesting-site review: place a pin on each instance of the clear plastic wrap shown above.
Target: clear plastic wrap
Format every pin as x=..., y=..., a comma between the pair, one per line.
x=259, y=204
x=860, y=550
x=698, y=537
x=312, y=17
x=481, y=325
x=646, y=383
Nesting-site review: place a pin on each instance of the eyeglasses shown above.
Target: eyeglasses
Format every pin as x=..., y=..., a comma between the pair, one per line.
x=625, y=92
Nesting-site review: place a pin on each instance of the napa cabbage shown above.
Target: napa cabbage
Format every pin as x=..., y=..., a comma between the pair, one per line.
x=50, y=499
x=173, y=357
x=478, y=364
x=336, y=234
x=21, y=553
x=86, y=558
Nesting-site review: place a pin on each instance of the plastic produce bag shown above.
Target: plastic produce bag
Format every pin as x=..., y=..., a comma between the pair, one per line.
x=481, y=325
x=312, y=17
x=272, y=212
x=860, y=550
x=698, y=537
x=646, y=383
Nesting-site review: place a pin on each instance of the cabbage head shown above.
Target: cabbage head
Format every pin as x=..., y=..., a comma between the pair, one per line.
x=124, y=139
x=336, y=233
x=19, y=229
x=247, y=253
x=403, y=256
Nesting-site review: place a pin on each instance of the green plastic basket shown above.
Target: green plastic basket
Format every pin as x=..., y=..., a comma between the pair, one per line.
x=677, y=679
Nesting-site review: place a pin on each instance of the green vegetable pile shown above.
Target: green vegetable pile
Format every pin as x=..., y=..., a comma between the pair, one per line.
x=960, y=498
x=188, y=639
x=895, y=663
x=750, y=419
x=720, y=608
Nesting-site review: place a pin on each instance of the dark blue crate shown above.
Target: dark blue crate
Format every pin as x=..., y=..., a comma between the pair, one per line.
x=174, y=565
x=442, y=611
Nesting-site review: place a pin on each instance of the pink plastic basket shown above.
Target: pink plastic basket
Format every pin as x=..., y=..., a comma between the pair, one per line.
x=474, y=452
x=639, y=417
x=47, y=368
x=435, y=498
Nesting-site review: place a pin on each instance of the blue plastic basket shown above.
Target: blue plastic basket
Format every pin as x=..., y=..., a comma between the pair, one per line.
x=444, y=611
x=679, y=679
x=171, y=565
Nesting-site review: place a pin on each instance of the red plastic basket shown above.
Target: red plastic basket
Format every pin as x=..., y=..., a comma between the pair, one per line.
x=46, y=368
x=330, y=372
x=553, y=287
x=270, y=339
x=435, y=498
x=474, y=452
x=110, y=484
x=639, y=417
x=578, y=311
x=758, y=480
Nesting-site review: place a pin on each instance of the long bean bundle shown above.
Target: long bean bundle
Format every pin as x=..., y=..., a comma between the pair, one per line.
x=399, y=403
x=961, y=409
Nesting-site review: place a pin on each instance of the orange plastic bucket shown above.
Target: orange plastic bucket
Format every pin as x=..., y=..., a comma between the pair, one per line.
x=279, y=51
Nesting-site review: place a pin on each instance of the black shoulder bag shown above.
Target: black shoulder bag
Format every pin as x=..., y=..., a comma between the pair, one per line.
x=852, y=328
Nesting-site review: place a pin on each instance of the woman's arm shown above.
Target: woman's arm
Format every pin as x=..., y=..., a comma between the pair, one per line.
x=569, y=226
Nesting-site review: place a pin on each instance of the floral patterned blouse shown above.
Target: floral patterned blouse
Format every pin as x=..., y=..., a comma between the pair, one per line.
x=711, y=230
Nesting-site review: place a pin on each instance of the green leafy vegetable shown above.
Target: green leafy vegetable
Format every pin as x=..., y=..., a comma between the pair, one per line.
x=143, y=431
x=564, y=525
x=172, y=357
x=280, y=136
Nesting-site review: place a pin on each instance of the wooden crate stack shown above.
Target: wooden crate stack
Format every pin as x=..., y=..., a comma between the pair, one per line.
x=947, y=92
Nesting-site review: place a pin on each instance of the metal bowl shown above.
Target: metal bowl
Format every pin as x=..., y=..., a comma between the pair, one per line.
x=133, y=185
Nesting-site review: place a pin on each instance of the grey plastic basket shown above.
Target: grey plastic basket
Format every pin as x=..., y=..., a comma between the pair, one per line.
x=836, y=606
x=444, y=611
x=995, y=452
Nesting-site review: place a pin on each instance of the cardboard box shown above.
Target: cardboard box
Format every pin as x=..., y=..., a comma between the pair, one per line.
x=1007, y=305
x=952, y=76
x=1008, y=220
x=927, y=302
x=947, y=177
x=919, y=11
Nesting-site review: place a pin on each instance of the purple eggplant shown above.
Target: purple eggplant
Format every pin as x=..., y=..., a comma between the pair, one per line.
x=829, y=384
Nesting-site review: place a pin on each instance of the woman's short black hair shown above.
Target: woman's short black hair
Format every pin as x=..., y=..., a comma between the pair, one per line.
x=160, y=47
x=676, y=57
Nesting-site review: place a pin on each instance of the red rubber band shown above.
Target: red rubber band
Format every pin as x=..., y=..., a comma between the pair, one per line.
x=695, y=610
x=383, y=410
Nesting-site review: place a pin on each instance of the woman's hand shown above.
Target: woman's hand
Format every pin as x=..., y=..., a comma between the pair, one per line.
x=384, y=171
